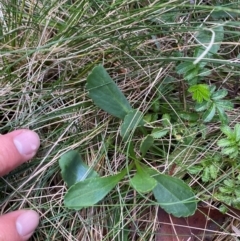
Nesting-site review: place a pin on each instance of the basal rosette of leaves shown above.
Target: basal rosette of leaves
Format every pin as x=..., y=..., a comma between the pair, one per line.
x=87, y=188
x=211, y=102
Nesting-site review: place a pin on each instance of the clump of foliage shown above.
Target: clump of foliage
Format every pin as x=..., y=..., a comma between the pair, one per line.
x=86, y=188
x=208, y=168
x=229, y=191
x=231, y=144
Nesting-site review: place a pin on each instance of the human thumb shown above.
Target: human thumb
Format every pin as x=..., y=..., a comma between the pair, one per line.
x=18, y=225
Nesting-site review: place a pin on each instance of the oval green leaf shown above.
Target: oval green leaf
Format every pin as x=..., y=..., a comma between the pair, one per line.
x=106, y=94
x=173, y=195
x=219, y=94
x=90, y=191
x=209, y=114
x=158, y=133
x=73, y=169
x=142, y=182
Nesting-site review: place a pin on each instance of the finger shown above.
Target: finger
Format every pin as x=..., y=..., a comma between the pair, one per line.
x=17, y=147
x=18, y=225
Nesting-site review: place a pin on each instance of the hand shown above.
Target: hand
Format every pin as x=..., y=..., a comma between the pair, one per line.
x=16, y=148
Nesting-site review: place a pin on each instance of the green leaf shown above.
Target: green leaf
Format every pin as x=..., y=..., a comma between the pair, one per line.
x=131, y=152
x=191, y=75
x=73, y=169
x=131, y=121
x=193, y=117
x=206, y=174
x=204, y=72
x=237, y=132
x=209, y=114
x=229, y=183
x=204, y=38
x=225, y=142
x=222, y=115
x=158, y=133
x=173, y=195
x=142, y=181
x=224, y=104
x=146, y=143
x=227, y=131
x=166, y=120
x=229, y=150
x=234, y=155
x=213, y=171
x=106, y=94
x=200, y=92
x=220, y=94
x=184, y=67
x=212, y=88
x=202, y=106
x=195, y=169
x=90, y=191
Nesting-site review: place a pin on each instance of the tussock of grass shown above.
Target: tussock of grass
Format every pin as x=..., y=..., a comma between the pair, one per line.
x=47, y=50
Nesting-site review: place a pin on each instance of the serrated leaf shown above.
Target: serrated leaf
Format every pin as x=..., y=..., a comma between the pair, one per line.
x=166, y=120
x=237, y=132
x=213, y=171
x=225, y=190
x=184, y=67
x=204, y=72
x=227, y=131
x=200, y=92
x=220, y=94
x=173, y=195
x=206, y=174
x=202, y=106
x=142, y=181
x=224, y=104
x=106, y=94
x=229, y=183
x=193, y=117
x=146, y=143
x=204, y=38
x=224, y=143
x=209, y=114
x=229, y=150
x=212, y=88
x=90, y=191
x=191, y=74
x=234, y=155
x=222, y=116
x=73, y=169
x=158, y=133
x=195, y=169
x=131, y=121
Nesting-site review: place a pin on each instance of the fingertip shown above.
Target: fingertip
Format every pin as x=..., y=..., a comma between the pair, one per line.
x=26, y=223
x=18, y=225
x=27, y=143
x=17, y=147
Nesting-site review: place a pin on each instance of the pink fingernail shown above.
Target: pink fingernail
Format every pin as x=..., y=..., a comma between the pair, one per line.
x=27, y=143
x=27, y=222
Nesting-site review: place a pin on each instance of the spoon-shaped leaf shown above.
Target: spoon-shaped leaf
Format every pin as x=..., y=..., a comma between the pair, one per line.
x=73, y=169
x=90, y=191
x=173, y=195
x=106, y=94
x=142, y=181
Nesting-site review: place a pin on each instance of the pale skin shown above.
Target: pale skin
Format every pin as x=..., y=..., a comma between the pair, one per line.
x=16, y=148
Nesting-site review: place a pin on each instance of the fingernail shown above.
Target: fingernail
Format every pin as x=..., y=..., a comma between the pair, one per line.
x=27, y=222
x=27, y=143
